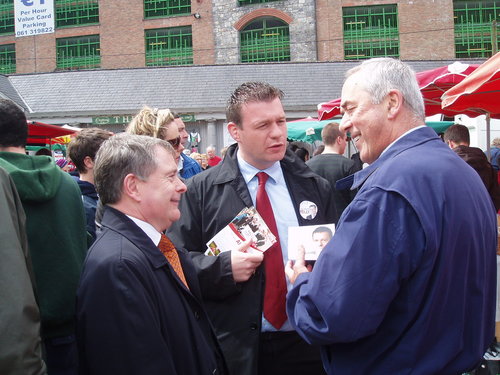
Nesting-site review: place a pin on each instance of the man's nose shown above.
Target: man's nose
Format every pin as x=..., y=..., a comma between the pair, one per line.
x=276, y=130
x=345, y=123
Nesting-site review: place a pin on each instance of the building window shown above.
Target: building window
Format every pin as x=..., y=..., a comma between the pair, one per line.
x=370, y=31
x=475, y=28
x=166, y=8
x=265, y=40
x=6, y=16
x=7, y=58
x=170, y=46
x=246, y=2
x=81, y=52
x=76, y=12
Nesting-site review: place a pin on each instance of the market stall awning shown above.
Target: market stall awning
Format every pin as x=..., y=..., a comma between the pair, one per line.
x=41, y=133
x=432, y=83
x=478, y=94
x=306, y=130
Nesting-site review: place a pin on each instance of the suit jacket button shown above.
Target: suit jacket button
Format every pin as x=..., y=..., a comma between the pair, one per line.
x=197, y=315
x=253, y=326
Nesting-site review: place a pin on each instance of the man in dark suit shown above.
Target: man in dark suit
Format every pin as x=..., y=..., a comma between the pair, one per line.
x=245, y=292
x=138, y=303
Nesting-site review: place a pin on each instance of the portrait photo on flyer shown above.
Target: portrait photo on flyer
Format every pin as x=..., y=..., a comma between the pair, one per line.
x=312, y=238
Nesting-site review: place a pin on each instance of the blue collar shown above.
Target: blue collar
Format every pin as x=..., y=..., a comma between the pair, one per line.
x=411, y=139
x=248, y=171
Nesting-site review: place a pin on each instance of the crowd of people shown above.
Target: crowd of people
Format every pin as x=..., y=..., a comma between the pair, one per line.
x=106, y=272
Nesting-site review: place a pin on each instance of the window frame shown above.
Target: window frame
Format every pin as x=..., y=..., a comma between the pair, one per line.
x=253, y=50
x=474, y=39
x=6, y=50
x=7, y=17
x=74, y=13
x=168, y=10
x=82, y=61
x=373, y=40
x=174, y=54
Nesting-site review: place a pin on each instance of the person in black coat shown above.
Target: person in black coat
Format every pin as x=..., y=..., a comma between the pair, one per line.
x=233, y=283
x=139, y=311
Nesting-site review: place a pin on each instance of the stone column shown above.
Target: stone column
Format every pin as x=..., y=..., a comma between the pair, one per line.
x=211, y=133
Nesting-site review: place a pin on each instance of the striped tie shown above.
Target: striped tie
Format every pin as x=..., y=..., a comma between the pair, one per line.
x=168, y=249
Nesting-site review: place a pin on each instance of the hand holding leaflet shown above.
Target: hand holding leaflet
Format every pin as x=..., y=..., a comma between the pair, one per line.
x=248, y=224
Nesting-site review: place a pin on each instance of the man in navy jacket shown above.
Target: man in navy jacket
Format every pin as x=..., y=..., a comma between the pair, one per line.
x=407, y=283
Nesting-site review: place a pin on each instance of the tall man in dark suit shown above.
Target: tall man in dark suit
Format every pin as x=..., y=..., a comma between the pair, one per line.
x=138, y=303
x=247, y=312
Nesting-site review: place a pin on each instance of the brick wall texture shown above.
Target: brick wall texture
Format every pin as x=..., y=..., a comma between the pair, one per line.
x=425, y=31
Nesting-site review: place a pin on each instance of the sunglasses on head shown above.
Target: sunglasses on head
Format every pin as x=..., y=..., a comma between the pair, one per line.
x=175, y=142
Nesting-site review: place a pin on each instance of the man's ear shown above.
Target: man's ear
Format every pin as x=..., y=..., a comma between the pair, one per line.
x=234, y=131
x=89, y=163
x=131, y=187
x=394, y=102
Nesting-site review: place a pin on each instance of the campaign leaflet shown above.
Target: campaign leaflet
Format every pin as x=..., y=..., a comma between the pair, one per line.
x=248, y=224
x=310, y=239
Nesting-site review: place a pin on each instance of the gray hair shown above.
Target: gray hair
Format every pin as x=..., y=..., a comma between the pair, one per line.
x=124, y=154
x=380, y=75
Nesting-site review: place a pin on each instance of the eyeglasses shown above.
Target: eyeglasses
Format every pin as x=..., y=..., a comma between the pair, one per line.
x=175, y=142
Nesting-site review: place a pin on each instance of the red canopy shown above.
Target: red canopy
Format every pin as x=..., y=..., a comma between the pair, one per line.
x=479, y=93
x=329, y=109
x=433, y=83
x=38, y=132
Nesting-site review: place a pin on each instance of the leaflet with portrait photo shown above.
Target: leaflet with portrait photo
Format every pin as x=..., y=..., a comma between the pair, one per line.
x=309, y=238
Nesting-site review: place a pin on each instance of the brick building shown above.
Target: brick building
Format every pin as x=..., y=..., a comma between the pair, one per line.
x=114, y=34
x=154, y=36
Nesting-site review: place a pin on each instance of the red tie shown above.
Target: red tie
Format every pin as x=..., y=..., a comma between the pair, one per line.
x=275, y=289
x=168, y=249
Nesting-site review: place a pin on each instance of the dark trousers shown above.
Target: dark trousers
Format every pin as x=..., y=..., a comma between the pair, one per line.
x=287, y=353
x=61, y=355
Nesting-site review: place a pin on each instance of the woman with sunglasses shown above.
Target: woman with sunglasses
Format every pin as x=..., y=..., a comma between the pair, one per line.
x=157, y=123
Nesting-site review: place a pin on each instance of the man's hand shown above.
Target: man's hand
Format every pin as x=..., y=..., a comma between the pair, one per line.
x=294, y=269
x=244, y=262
